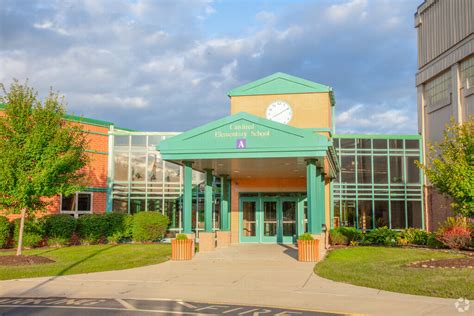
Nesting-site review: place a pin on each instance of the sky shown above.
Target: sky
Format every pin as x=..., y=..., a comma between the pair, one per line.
x=168, y=65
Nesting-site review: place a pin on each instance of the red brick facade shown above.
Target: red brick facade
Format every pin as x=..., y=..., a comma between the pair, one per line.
x=96, y=170
x=438, y=208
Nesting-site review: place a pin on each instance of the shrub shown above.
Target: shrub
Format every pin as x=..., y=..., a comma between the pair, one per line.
x=382, y=236
x=115, y=238
x=181, y=237
x=337, y=238
x=305, y=236
x=432, y=242
x=344, y=235
x=33, y=233
x=92, y=228
x=128, y=226
x=117, y=223
x=415, y=236
x=4, y=231
x=455, y=233
x=57, y=242
x=149, y=226
x=60, y=227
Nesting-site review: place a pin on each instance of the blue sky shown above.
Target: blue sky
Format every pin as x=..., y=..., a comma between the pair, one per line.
x=167, y=65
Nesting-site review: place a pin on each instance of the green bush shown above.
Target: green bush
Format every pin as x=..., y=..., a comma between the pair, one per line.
x=117, y=223
x=305, y=236
x=92, y=228
x=60, y=227
x=415, y=236
x=382, y=236
x=4, y=231
x=57, y=242
x=115, y=238
x=128, y=226
x=344, y=235
x=149, y=226
x=432, y=242
x=33, y=232
x=336, y=237
x=181, y=237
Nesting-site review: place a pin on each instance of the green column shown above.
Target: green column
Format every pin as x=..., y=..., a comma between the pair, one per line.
x=187, y=197
x=312, y=192
x=225, y=203
x=208, y=201
x=320, y=197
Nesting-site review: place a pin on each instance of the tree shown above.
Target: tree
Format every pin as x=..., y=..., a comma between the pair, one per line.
x=450, y=166
x=41, y=154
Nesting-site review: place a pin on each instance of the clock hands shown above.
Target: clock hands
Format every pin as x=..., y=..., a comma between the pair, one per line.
x=280, y=112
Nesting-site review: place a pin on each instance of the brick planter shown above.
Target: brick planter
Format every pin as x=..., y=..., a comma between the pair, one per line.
x=308, y=250
x=182, y=249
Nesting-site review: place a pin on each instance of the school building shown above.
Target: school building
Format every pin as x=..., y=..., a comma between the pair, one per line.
x=270, y=171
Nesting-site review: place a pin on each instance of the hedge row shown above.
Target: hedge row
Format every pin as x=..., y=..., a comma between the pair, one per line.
x=455, y=233
x=63, y=229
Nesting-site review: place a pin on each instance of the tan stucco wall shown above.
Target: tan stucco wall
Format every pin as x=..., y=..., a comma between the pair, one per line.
x=310, y=110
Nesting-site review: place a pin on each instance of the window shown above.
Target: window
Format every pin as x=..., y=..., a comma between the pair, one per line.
x=412, y=144
x=365, y=215
x=398, y=214
x=413, y=172
x=363, y=143
x=348, y=214
x=380, y=143
x=381, y=213
x=364, y=169
x=121, y=166
x=347, y=169
x=467, y=72
x=76, y=204
x=396, y=143
x=414, y=214
x=347, y=143
x=380, y=169
x=121, y=141
x=438, y=89
x=396, y=169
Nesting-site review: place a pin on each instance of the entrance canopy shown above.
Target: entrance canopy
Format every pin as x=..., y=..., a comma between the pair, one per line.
x=245, y=145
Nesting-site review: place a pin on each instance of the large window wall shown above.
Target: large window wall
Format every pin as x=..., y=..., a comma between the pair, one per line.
x=142, y=181
x=379, y=183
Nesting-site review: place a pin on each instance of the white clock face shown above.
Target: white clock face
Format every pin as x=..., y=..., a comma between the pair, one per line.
x=279, y=111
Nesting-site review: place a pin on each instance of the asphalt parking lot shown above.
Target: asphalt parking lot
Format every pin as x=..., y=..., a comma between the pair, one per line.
x=93, y=306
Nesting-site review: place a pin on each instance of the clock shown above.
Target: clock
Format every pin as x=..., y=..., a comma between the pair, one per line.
x=279, y=111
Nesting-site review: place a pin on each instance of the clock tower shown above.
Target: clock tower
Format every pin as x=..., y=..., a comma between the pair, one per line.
x=286, y=99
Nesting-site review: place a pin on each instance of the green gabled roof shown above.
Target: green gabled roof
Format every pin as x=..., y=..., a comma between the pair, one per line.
x=279, y=83
x=264, y=139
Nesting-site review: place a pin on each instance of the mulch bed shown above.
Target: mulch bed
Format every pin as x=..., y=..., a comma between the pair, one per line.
x=456, y=263
x=23, y=260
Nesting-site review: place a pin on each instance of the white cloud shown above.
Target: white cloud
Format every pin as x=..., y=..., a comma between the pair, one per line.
x=340, y=13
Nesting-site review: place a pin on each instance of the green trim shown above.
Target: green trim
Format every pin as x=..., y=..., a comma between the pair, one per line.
x=264, y=139
x=125, y=129
x=280, y=83
x=88, y=121
x=312, y=192
x=225, y=203
x=97, y=152
x=208, y=201
x=187, y=198
x=95, y=189
x=378, y=136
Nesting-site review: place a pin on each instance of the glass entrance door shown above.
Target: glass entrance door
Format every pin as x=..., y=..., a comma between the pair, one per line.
x=270, y=213
x=250, y=228
x=289, y=210
x=270, y=219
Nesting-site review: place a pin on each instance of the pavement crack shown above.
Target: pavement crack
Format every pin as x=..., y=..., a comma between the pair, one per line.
x=307, y=280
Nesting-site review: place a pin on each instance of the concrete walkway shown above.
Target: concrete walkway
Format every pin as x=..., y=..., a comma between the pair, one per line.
x=242, y=274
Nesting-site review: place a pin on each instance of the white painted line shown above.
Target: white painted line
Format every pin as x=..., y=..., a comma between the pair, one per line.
x=186, y=304
x=126, y=304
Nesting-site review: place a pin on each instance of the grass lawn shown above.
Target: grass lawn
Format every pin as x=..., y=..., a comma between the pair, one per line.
x=383, y=268
x=84, y=259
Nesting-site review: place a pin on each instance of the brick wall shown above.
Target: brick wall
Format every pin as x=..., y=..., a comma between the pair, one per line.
x=96, y=170
x=439, y=208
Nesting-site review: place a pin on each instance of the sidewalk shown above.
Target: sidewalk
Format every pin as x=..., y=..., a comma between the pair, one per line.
x=263, y=275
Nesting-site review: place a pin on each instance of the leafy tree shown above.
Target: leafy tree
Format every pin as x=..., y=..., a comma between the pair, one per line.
x=41, y=155
x=450, y=166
